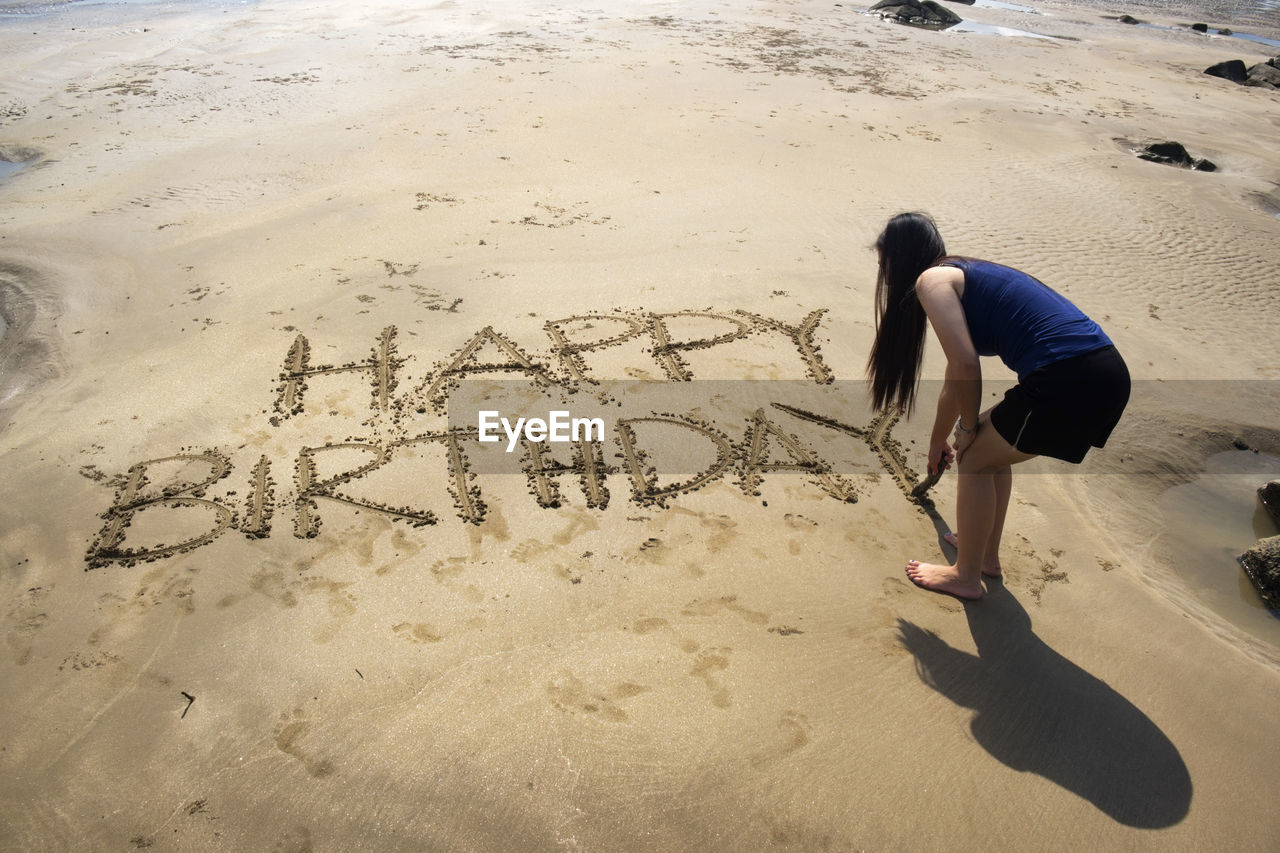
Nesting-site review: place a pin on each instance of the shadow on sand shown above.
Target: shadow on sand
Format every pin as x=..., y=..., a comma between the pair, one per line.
x=1040, y=713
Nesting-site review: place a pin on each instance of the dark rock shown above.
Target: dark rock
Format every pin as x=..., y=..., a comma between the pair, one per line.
x=1200, y=28
x=1262, y=564
x=1128, y=19
x=917, y=13
x=963, y=2
x=1264, y=75
x=1174, y=154
x=1232, y=69
x=1225, y=32
x=1269, y=495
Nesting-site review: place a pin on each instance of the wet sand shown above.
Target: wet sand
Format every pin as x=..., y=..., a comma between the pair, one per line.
x=265, y=589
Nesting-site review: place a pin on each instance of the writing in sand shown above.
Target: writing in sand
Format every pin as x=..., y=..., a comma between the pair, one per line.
x=179, y=502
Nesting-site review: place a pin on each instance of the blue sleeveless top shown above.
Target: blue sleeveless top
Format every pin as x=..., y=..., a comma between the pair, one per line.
x=1017, y=317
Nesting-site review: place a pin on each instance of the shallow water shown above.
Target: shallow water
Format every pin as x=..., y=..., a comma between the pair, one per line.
x=1272, y=42
x=7, y=168
x=1231, y=15
x=1262, y=15
x=1250, y=37
x=1209, y=523
x=40, y=7
x=988, y=29
x=1014, y=7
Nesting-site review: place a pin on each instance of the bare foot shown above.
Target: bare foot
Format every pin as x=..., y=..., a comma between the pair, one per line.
x=943, y=579
x=991, y=571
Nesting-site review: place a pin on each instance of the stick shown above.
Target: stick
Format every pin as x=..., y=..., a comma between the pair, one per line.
x=927, y=483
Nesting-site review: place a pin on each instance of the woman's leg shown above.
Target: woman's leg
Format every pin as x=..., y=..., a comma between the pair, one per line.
x=982, y=499
x=1003, y=479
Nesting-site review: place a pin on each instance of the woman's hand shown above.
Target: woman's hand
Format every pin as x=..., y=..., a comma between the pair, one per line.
x=940, y=456
x=964, y=438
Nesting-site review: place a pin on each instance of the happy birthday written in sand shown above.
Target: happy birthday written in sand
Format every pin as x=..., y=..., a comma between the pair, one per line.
x=163, y=507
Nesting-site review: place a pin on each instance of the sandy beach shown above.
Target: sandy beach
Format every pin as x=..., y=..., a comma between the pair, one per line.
x=263, y=587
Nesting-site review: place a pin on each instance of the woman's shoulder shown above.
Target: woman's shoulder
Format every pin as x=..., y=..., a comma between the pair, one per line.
x=990, y=274
x=967, y=263
x=940, y=275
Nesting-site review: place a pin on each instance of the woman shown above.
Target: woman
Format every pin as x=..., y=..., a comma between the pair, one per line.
x=1072, y=384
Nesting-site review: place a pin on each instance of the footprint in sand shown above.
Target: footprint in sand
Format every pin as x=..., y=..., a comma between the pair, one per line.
x=569, y=694
x=579, y=522
x=289, y=734
x=449, y=568
x=270, y=584
x=707, y=663
x=296, y=840
x=154, y=589
x=80, y=661
x=418, y=632
x=649, y=624
x=708, y=607
x=894, y=587
x=28, y=617
x=530, y=549
x=887, y=611
x=273, y=586
x=793, y=735
x=652, y=624
x=341, y=603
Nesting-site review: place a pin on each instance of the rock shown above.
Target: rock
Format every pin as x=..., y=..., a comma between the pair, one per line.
x=1200, y=28
x=1269, y=495
x=1262, y=564
x=1225, y=31
x=1171, y=153
x=1264, y=75
x=917, y=13
x=1128, y=19
x=1232, y=69
x=1174, y=154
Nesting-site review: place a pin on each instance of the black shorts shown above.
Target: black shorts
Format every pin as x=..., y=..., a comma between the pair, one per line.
x=1065, y=408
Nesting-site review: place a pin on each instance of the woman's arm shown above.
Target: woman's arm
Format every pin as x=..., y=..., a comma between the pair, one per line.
x=961, y=395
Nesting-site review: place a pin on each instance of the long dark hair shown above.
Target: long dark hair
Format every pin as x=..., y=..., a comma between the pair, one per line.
x=908, y=245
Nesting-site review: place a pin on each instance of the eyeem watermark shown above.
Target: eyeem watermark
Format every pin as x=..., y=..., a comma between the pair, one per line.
x=558, y=426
